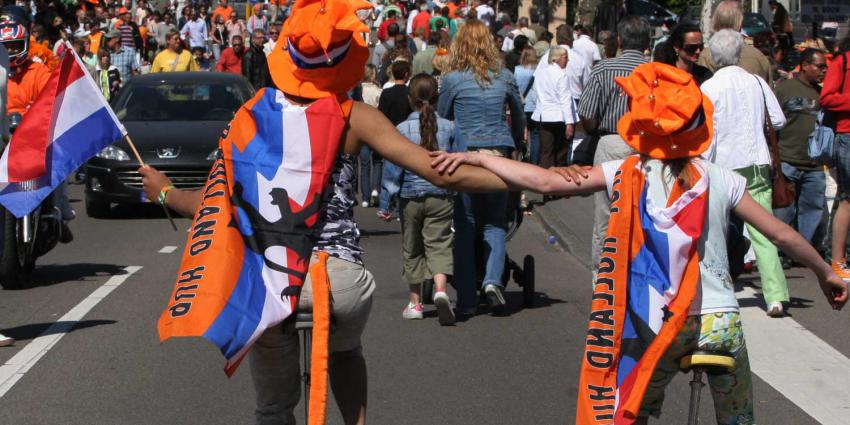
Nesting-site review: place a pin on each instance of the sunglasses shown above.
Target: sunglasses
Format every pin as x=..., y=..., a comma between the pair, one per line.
x=274, y=32
x=693, y=48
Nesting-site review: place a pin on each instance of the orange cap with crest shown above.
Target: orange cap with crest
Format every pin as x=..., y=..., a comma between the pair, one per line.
x=668, y=115
x=321, y=51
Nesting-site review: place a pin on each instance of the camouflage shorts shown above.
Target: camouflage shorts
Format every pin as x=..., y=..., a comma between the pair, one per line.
x=732, y=392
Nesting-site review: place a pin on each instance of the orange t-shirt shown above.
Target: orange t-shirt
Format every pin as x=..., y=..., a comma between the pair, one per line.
x=96, y=39
x=23, y=88
x=223, y=11
x=452, y=8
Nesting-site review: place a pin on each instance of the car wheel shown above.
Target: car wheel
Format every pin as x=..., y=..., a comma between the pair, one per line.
x=97, y=209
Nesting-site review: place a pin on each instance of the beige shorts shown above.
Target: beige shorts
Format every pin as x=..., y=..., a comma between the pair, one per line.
x=274, y=357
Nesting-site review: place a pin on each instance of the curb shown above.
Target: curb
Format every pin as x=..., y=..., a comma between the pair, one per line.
x=553, y=224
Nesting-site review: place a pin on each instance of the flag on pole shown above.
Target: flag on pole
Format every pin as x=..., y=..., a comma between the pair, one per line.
x=68, y=123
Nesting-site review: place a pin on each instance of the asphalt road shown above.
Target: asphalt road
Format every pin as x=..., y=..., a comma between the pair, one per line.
x=109, y=368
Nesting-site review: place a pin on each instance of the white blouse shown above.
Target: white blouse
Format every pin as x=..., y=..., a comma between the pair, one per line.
x=554, y=99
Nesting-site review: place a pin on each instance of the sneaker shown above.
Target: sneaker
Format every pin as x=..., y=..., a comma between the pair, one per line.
x=364, y=204
x=444, y=309
x=495, y=298
x=840, y=268
x=374, y=198
x=412, y=311
x=775, y=309
x=6, y=341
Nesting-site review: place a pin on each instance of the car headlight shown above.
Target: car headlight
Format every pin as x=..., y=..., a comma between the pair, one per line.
x=113, y=153
x=214, y=154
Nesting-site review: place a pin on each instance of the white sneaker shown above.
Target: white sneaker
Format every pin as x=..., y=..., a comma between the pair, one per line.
x=775, y=309
x=374, y=197
x=6, y=341
x=495, y=299
x=412, y=311
x=444, y=308
x=364, y=204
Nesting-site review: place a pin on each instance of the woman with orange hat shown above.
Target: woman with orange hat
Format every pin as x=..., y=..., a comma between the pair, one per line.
x=663, y=288
x=318, y=58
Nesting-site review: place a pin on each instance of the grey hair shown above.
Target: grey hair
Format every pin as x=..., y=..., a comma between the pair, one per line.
x=725, y=46
x=555, y=53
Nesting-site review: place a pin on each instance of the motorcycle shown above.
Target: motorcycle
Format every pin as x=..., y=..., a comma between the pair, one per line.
x=29, y=237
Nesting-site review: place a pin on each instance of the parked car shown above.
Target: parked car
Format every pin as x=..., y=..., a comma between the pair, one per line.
x=175, y=120
x=754, y=23
x=651, y=11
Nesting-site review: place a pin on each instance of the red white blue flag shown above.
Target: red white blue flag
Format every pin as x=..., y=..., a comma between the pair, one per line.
x=647, y=278
x=68, y=123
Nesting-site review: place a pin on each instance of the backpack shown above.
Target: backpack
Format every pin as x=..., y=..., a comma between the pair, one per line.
x=822, y=142
x=821, y=147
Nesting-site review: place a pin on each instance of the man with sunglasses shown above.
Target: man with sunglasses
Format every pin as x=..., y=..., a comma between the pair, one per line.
x=274, y=33
x=800, y=101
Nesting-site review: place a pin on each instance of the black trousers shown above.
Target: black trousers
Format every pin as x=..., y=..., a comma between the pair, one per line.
x=554, y=146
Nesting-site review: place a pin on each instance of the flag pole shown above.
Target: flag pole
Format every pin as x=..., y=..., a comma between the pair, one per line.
x=142, y=163
x=135, y=151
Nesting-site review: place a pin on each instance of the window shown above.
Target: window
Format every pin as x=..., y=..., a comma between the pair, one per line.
x=187, y=101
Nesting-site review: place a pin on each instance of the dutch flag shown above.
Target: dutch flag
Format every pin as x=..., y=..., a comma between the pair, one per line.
x=68, y=123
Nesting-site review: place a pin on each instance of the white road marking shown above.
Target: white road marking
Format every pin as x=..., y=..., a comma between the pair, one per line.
x=798, y=364
x=24, y=360
x=168, y=249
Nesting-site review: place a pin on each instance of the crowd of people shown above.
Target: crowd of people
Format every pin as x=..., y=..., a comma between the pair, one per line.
x=460, y=77
x=119, y=39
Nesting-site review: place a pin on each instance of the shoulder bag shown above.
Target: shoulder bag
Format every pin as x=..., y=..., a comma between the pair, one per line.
x=784, y=192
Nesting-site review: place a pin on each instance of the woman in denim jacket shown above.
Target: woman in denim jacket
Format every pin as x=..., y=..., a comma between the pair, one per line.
x=473, y=94
x=426, y=210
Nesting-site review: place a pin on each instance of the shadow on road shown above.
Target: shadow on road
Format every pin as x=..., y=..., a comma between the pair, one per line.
x=368, y=233
x=28, y=332
x=53, y=274
x=137, y=211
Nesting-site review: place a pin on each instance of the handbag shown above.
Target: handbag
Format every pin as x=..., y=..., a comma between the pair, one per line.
x=821, y=147
x=784, y=192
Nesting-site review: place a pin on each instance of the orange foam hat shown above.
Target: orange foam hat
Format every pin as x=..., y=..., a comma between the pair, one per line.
x=321, y=51
x=668, y=115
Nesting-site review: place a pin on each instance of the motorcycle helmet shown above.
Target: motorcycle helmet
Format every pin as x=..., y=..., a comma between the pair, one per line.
x=15, y=34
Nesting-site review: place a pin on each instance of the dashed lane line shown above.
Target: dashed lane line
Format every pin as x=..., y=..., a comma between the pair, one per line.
x=15, y=368
x=798, y=364
x=168, y=249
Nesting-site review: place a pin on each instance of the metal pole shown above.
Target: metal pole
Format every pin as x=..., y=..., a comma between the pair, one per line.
x=696, y=389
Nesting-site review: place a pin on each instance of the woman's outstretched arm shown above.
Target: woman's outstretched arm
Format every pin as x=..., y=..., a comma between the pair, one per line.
x=793, y=244
x=523, y=176
x=369, y=126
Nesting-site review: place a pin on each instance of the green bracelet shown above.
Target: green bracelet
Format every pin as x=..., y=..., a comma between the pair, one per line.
x=163, y=193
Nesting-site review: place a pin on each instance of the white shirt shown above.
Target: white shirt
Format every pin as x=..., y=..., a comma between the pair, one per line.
x=739, y=99
x=554, y=102
x=268, y=48
x=578, y=71
x=410, y=17
x=483, y=10
x=585, y=46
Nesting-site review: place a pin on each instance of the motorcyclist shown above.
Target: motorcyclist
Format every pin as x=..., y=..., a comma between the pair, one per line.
x=27, y=78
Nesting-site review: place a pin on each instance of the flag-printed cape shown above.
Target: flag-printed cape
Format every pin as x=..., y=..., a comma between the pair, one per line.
x=648, y=276
x=68, y=123
x=250, y=244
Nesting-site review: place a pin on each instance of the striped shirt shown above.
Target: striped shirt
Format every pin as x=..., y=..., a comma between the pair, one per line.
x=602, y=98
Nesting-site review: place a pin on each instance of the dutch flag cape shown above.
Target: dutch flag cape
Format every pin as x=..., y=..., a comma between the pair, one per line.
x=648, y=275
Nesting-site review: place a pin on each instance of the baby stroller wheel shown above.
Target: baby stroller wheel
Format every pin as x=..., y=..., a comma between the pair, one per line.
x=528, y=281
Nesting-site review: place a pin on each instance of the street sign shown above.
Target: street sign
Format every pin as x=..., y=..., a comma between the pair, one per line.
x=824, y=10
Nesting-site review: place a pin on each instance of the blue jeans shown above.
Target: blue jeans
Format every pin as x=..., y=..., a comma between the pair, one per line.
x=808, y=209
x=484, y=211
x=371, y=168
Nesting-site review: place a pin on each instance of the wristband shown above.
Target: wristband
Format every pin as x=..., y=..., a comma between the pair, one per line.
x=163, y=193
